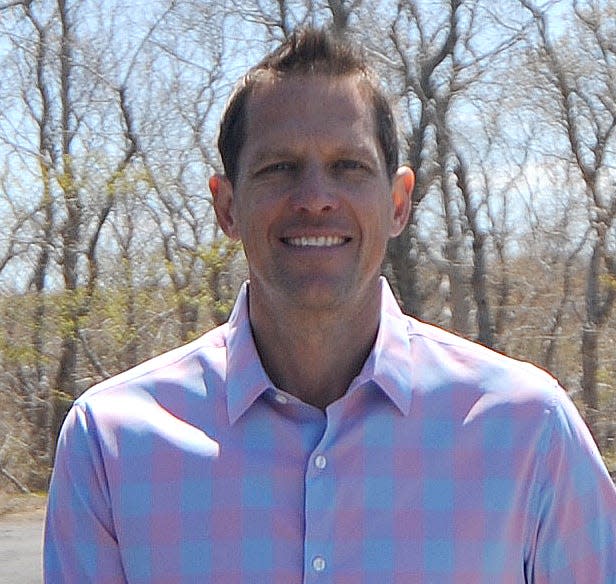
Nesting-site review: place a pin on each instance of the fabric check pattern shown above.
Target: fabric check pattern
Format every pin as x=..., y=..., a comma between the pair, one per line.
x=444, y=462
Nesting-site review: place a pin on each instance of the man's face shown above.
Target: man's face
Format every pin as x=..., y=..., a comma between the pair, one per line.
x=312, y=202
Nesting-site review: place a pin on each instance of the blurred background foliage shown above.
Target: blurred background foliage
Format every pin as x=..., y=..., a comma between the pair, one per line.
x=109, y=250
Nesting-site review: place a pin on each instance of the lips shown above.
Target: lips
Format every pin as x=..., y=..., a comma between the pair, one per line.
x=315, y=241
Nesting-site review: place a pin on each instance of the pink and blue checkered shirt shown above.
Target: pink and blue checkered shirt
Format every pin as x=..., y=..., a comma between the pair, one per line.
x=443, y=462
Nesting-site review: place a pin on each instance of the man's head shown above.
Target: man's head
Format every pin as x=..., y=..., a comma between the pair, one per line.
x=307, y=52
x=311, y=184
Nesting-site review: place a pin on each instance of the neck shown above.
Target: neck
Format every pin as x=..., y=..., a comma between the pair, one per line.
x=314, y=356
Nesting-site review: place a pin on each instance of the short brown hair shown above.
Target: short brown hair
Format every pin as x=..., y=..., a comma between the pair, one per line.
x=306, y=52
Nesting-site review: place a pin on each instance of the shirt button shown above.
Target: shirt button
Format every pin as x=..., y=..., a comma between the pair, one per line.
x=281, y=399
x=318, y=564
x=320, y=462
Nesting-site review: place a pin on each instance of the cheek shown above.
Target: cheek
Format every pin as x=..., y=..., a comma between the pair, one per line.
x=380, y=217
x=254, y=224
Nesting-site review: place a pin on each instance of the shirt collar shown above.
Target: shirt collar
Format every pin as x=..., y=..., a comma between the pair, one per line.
x=246, y=378
x=388, y=364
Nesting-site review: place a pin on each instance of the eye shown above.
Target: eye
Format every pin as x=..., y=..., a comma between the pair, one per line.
x=349, y=164
x=275, y=167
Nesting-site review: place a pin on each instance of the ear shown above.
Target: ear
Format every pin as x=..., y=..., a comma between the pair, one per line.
x=401, y=190
x=222, y=196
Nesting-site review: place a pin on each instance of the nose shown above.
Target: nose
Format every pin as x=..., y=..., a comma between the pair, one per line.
x=314, y=192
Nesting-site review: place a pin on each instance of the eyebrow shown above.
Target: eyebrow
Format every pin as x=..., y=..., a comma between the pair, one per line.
x=272, y=154
x=353, y=151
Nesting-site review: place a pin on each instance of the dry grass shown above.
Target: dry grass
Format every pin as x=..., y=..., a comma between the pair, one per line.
x=18, y=503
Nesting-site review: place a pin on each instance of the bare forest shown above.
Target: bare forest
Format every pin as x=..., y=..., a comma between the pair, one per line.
x=109, y=251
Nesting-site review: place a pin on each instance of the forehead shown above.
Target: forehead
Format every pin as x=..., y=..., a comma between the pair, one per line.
x=300, y=108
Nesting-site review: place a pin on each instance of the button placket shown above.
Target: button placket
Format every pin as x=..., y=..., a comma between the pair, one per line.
x=318, y=493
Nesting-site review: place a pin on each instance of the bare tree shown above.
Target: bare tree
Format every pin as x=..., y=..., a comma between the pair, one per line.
x=79, y=141
x=583, y=82
x=440, y=64
x=109, y=252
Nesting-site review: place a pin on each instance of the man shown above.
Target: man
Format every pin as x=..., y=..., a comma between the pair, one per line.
x=321, y=435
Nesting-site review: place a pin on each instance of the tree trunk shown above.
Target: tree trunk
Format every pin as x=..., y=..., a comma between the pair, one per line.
x=590, y=361
x=401, y=256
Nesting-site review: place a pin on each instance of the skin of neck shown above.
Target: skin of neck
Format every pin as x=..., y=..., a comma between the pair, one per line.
x=314, y=356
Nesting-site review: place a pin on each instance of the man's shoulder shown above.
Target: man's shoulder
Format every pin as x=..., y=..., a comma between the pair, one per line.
x=176, y=366
x=449, y=358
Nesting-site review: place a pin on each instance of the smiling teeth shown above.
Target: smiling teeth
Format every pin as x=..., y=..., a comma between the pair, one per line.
x=322, y=241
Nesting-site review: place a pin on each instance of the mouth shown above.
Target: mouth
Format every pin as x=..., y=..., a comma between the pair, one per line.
x=316, y=241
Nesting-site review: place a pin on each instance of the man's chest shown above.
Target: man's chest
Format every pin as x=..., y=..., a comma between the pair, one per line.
x=376, y=501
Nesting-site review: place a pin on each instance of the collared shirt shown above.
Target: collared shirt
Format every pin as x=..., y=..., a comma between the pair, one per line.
x=443, y=462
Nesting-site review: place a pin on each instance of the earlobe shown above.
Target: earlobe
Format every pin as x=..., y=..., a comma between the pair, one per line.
x=222, y=197
x=402, y=188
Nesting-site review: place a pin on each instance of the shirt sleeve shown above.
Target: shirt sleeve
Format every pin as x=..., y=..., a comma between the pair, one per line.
x=80, y=543
x=575, y=507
